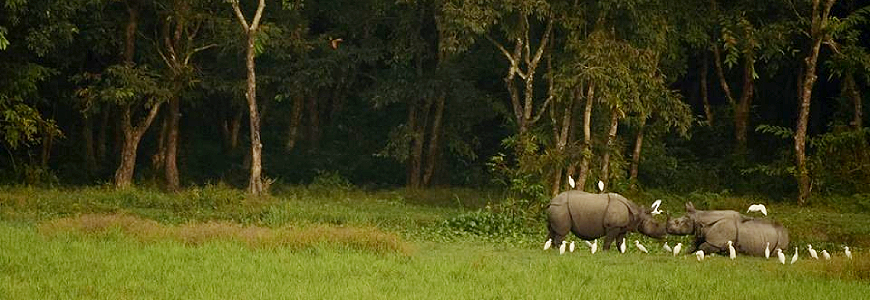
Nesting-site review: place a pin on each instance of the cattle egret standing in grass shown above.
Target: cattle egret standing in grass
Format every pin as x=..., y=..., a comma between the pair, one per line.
x=848, y=253
x=767, y=250
x=667, y=248
x=826, y=255
x=562, y=247
x=594, y=247
x=571, y=181
x=780, y=255
x=794, y=258
x=571, y=247
x=732, y=253
x=622, y=246
x=677, y=248
x=812, y=251
x=588, y=243
x=639, y=246
x=548, y=244
x=601, y=186
x=700, y=255
x=758, y=208
x=655, y=207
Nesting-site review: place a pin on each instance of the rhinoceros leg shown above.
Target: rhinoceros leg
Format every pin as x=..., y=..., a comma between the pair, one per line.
x=613, y=234
x=559, y=219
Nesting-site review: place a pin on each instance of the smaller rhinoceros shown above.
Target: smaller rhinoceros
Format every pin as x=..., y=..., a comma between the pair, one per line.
x=714, y=228
x=591, y=216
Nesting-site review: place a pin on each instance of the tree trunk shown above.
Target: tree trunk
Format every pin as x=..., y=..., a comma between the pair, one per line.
x=850, y=88
x=611, y=139
x=314, y=129
x=158, y=160
x=171, y=168
x=295, y=121
x=705, y=98
x=132, y=136
x=88, y=137
x=102, y=134
x=47, y=141
x=255, y=182
x=817, y=34
x=741, y=112
x=587, y=139
x=561, y=143
x=434, y=142
x=231, y=129
x=717, y=61
x=635, y=156
x=418, y=131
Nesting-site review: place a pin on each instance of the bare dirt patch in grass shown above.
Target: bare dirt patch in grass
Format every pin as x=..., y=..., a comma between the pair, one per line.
x=297, y=238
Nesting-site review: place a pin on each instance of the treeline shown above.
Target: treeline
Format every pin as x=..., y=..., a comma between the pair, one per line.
x=744, y=96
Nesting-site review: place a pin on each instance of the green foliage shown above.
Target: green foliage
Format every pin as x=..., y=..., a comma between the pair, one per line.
x=494, y=221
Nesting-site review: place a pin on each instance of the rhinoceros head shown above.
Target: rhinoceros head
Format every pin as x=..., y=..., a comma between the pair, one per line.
x=683, y=225
x=652, y=228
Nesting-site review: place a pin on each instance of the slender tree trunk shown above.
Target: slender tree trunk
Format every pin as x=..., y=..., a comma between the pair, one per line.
x=850, y=88
x=415, y=167
x=741, y=113
x=635, y=156
x=587, y=139
x=47, y=142
x=314, y=129
x=561, y=143
x=231, y=129
x=295, y=121
x=171, y=154
x=818, y=25
x=102, y=134
x=158, y=160
x=88, y=137
x=434, y=142
x=611, y=139
x=705, y=98
x=255, y=182
x=717, y=61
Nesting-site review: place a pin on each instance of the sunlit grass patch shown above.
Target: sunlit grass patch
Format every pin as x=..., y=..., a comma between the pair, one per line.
x=369, y=239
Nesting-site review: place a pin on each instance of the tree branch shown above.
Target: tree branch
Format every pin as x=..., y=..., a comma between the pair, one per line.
x=239, y=15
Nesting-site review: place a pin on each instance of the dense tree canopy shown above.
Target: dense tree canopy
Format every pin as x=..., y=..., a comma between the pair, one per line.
x=704, y=95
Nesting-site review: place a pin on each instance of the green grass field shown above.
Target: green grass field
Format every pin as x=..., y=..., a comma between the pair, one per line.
x=218, y=244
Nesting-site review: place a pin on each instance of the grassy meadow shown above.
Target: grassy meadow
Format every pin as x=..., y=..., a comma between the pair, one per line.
x=214, y=242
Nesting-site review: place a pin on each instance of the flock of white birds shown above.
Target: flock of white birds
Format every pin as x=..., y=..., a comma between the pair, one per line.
x=700, y=255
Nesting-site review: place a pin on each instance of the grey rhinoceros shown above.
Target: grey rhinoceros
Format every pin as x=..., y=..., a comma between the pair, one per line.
x=591, y=216
x=714, y=228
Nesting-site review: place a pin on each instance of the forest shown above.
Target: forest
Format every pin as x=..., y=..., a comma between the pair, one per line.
x=741, y=97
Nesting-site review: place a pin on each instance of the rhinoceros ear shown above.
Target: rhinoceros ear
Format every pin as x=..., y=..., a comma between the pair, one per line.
x=690, y=208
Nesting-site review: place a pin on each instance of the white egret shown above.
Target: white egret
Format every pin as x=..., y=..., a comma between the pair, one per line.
x=758, y=208
x=794, y=257
x=812, y=251
x=548, y=244
x=601, y=186
x=700, y=255
x=571, y=247
x=588, y=243
x=639, y=246
x=780, y=255
x=767, y=250
x=562, y=247
x=848, y=253
x=732, y=253
x=655, y=207
x=667, y=248
x=677, y=248
x=826, y=255
x=571, y=181
x=594, y=247
x=622, y=246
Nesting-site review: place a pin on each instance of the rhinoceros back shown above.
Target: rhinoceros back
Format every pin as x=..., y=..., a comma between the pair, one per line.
x=753, y=236
x=580, y=212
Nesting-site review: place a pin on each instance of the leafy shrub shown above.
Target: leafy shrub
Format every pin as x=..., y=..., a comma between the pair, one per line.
x=506, y=219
